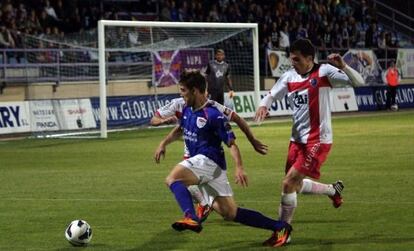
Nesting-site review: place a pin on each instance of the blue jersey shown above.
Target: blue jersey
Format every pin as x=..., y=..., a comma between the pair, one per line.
x=204, y=130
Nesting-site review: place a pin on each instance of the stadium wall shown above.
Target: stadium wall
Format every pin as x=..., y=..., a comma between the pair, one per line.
x=84, y=89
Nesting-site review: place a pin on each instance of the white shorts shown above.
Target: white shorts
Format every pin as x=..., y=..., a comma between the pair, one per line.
x=213, y=180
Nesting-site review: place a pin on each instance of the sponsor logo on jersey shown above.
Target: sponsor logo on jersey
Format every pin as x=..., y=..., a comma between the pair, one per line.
x=219, y=74
x=300, y=99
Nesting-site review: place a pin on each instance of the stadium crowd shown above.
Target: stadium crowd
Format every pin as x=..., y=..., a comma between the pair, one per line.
x=327, y=23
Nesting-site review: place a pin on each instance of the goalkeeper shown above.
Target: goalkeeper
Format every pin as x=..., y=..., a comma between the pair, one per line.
x=218, y=76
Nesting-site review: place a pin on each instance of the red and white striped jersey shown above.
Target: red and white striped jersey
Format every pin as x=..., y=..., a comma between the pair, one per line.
x=309, y=96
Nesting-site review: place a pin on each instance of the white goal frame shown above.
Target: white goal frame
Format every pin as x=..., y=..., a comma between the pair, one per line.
x=102, y=63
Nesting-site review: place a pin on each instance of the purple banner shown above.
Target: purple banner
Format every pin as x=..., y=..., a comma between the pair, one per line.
x=169, y=64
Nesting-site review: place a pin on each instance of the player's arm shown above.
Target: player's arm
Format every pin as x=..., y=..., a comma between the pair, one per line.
x=345, y=75
x=278, y=92
x=229, y=83
x=174, y=134
x=240, y=176
x=157, y=120
x=242, y=124
x=223, y=130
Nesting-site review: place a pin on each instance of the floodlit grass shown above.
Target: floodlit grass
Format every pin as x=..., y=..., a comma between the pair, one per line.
x=115, y=185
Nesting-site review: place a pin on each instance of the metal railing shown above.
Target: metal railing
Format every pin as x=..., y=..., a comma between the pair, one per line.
x=394, y=19
x=61, y=65
x=65, y=65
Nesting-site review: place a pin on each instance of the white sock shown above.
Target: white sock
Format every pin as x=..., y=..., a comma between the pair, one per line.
x=287, y=207
x=197, y=195
x=313, y=187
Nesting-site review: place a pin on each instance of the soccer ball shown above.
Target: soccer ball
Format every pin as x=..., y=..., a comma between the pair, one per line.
x=78, y=233
x=394, y=107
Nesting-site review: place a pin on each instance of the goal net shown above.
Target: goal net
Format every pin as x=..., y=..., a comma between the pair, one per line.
x=172, y=48
x=125, y=70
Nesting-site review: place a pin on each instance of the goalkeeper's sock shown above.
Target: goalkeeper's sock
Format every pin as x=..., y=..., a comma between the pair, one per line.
x=287, y=207
x=312, y=187
x=255, y=219
x=183, y=197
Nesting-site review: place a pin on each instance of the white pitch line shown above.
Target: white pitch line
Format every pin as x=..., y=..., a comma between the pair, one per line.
x=163, y=201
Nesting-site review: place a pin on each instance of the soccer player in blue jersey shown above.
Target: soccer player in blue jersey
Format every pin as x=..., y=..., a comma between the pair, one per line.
x=204, y=128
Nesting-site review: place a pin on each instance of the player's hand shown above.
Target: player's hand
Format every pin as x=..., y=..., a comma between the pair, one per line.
x=259, y=146
x=170, y=120
x=231, y=94
x=261, y=114
x=241, y=177
x=160, y=152
x=336, y=60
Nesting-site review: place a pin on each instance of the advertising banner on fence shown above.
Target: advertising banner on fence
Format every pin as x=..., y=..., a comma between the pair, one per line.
x=169, y=64
x=130, y=110
x=366, y=63
x=371, y=98
x=342, y=100
x=74, y=114
x=43, y=116
x=278, y=61
x=243, y=104
x=405, y=62
x=14, y=117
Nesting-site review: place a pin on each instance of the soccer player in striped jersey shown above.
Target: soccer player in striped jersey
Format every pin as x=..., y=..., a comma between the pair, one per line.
x=307, y=87
x=204, y=128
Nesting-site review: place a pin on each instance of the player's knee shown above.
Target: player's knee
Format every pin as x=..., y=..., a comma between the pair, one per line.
x=169, y=180
x=288, y=185
x=230, y=215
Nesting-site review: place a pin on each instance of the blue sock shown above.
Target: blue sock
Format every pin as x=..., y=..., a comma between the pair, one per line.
x=183, y=197
x=255, y=219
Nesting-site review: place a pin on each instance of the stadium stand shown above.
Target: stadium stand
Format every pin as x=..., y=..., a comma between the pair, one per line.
x=333, y=26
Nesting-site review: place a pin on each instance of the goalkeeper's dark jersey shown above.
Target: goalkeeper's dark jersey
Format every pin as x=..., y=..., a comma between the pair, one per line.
x=218, y=74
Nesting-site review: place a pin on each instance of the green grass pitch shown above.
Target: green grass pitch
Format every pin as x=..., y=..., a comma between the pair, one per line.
x=115, y=185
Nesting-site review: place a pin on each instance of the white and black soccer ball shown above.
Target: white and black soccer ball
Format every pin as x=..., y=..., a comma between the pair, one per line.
x=78, y=233
x=394, y=107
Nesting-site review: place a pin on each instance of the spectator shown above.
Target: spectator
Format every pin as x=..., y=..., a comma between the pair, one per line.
x=275, y=35
x=6, y=39
x=371, y=35
x=392, y=79
x=50, y=10
x=284, y=41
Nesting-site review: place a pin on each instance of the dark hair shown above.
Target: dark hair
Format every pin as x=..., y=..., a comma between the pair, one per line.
x=304, y=47
x=193, y=79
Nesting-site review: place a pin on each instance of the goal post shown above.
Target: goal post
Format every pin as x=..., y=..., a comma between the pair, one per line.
x=153, y=37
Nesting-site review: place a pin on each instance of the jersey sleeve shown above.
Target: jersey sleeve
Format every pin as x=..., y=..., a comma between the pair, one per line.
x=208, y=70
x=222, y=127
x=278, y=91
x=175, y=107
x=336, y=77
x=227, y=112
x=340, y=78
x=228, y=72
